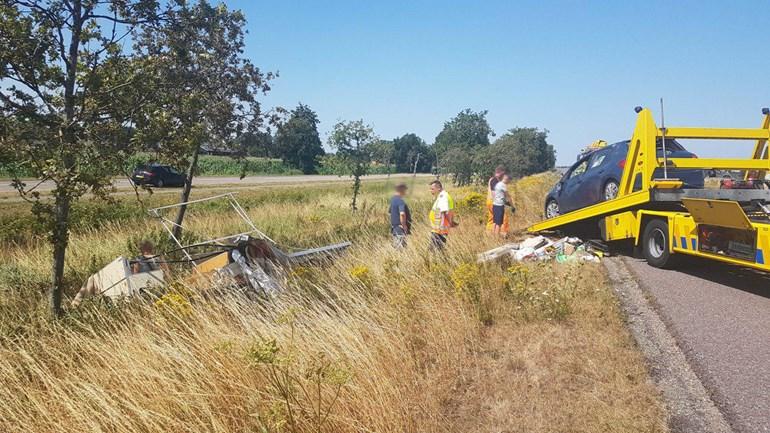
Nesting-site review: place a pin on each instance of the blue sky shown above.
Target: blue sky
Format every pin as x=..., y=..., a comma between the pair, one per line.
x=574, y=68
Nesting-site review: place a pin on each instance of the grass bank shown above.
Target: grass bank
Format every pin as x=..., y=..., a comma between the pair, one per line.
x=379, y=341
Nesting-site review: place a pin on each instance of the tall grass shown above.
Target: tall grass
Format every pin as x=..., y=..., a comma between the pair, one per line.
x=378, y=341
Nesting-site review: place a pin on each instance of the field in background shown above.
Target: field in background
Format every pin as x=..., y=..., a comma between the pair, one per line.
x=380, y=340
x=213, y=165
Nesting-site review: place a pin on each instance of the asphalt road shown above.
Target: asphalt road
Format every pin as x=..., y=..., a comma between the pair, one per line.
x=215, y=181
x=720, y=317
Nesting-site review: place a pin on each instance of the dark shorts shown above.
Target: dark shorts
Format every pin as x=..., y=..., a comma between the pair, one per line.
x=498, y=215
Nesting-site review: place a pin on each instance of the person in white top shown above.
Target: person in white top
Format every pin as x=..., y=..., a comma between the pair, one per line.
x=499, y=200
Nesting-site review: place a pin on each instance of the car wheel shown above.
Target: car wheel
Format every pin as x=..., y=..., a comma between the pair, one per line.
x=552, y=209
x=655, y=244
x=159, y=183
x=611, y=189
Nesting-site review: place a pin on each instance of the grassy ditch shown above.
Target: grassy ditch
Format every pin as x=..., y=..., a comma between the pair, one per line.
x=379, y=341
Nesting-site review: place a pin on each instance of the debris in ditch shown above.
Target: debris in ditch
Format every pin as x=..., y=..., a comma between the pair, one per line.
x=249, y=259
x=563, y=250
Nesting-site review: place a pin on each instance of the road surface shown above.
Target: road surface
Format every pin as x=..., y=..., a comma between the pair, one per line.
x=216, y=181
x=720, y=317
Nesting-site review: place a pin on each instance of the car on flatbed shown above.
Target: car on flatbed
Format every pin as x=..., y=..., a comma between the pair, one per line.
x=596, y=175
x=157, y=175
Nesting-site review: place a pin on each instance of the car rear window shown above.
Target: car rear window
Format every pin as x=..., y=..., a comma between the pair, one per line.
x=671, y=144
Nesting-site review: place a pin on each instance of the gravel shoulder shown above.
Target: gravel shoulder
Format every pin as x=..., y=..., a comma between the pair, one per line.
x=688, y=403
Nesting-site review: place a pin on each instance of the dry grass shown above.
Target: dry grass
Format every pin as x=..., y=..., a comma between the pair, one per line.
x=380, y=341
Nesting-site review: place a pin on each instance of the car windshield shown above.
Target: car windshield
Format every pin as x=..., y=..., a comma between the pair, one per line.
x=580, y=168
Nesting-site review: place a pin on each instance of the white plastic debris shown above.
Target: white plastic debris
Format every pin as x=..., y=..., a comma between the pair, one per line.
x=523, y=253
x=497, y=253
x=534, y=242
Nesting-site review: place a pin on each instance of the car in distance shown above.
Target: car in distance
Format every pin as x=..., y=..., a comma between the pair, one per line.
x=595, y=177
x=157, y=175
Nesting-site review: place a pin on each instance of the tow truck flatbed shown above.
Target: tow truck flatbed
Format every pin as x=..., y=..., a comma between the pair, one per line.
x=664, y=219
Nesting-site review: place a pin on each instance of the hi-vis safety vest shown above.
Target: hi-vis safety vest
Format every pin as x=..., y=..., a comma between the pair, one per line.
x=440, y=222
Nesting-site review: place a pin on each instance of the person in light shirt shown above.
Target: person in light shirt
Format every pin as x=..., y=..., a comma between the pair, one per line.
x=500, y=199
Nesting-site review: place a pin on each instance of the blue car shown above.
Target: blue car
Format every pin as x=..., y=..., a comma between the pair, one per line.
x=595, y=177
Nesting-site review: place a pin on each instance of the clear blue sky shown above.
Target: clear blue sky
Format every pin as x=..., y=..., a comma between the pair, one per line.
x=574, y=68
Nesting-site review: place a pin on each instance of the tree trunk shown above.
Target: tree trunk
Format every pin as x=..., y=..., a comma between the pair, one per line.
x=356, y=186
x=59, y=239
x=60, y=230
x=185, y=196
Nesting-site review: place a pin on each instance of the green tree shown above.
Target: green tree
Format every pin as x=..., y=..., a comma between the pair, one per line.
x=209, y=88
x=297, y=140
x=68, y=94
x=460, y=164
x=462, y=137
x=405, y=153
x=353, y=140
x=523, y=151
x=466, y=130
x=259, y=144
x=382, y=153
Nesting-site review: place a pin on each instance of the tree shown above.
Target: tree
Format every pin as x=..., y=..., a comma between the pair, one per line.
x=352, y=141
x=466, y=130
x=68, y=94
x=209, y=89
x=461, y=138
x=297, y=140
x=459, y=163
x=524, y=151
x=405, y=153
x=382, y=152
x=259, y=144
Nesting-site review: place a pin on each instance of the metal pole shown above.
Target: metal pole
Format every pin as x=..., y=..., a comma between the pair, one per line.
x=663, y=139
x=171, y=232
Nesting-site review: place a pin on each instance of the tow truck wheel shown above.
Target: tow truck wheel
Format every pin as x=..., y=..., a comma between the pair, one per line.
x=655, y=244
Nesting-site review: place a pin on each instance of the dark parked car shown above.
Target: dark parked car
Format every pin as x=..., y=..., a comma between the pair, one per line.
x=595, y=177
x=157, y=175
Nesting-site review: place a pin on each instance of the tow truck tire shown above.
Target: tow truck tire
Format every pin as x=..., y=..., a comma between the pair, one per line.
x=655, y=244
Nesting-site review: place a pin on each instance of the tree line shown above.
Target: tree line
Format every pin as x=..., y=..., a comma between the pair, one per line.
x=462, y=150
x=85, y=85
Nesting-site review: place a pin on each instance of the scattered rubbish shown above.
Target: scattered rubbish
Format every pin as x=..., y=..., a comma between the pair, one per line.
x=562, y=250
x=534, y=242
x=497, y=253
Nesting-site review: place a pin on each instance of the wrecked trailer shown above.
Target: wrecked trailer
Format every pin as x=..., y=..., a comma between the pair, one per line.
x=251, y=258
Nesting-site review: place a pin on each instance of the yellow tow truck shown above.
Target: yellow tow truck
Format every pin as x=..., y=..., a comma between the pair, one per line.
x=663, y=219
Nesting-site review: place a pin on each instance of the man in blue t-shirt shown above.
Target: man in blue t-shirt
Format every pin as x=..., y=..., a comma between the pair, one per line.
x=400, y=217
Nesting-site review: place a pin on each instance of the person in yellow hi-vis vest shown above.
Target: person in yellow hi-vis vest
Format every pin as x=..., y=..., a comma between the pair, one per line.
x=441, y=216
